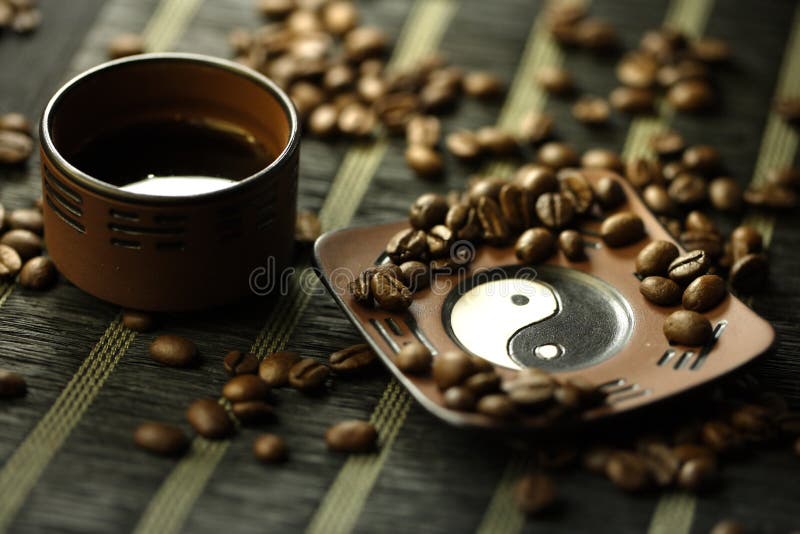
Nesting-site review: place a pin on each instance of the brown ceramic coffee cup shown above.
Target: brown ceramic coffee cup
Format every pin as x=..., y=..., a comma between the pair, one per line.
x=191, y=248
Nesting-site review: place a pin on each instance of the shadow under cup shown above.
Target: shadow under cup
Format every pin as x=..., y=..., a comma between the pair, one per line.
x=169, y=181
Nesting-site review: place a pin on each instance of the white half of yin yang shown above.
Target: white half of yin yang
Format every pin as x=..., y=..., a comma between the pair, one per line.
x=486, y=317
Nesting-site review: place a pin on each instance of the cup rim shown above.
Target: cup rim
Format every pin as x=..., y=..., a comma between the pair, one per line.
x=106, y=189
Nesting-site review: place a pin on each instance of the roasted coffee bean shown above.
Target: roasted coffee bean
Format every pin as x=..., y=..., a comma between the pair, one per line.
x=407, y=245
x=554, y=210
x=655, y=258
x=26, y=219
x=496, y=141
x=536, y=127
x=489, y=186
x=306, y=96
x=496, y=405
x=637, y=69
x=576, y=187
x=600, y=158
x=307, y=227
x=787, y=177
x=10, y=262
x=596, y=34
x=754, y=422
x=703, y=159
x=361, y=289
x=642, y=172
x=704, y=293
x=15, y=147
x=209, y=419
x=274, y=368
x=555, y=80
x=719, y=436
x=26, y=20
x=609, y=193
x=424, y=161
x=415, y=275
x=628, y=471
x=749, y=273
x=535, y=245
x=371, y=88
x=451, y=368
x=661, y=291
x=709, y=242
x=690, y=451
x=396, y=109
x=771, y=197
x=686, y=69
x=440, y=238
x=691, y=95
x=463, y=144
x=689, y=266
x=727, y=526
x=571, y=244
x=414, y=358
x=352, y=359
x=789, y=109
x=667, y=144
x=536, y=180
x=125, y=44
x=494, y=229
x=424, y=130
x=252, y=412
x=323, y=120
x=38, y=273
x=483, y=383
x=621, y=229
x=364, y=42
x=557, y=155
x=269, y=448
x=698, y=474
x=12, y=385
x=16, y=122
x=352, y=436
x=658, y=200
x=276, y=9
x=697, y=221
x=531, y=389
x=26, y=243
x=463, y=220
x=596, y=458
x=661, y=462
x=436, y=97
x=711, y=50
x=340, y=17
x=245, y=387
x=389, y=292
x=591, y=110
x=688, y=189
x=672, y=170
x=746, y=240
x=138, y=321
x=517, y=206
x=172, y=350
x=482, y=84
x=308, y=375
x=460, y=398
x=632, y=100
x=534, y=493
x=356, y=120
x=241, y=41
x=725, y=194
x=685, y=327
x=160, y=438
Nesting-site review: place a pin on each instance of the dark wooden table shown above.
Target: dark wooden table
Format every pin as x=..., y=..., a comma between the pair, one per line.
x=67, y=463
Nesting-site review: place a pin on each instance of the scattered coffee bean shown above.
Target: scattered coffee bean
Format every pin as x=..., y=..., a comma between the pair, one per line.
x=685, y=327
x=452, y=368
x=463, y=144
x=483, y=383
x=591, y=110
x=746, y=240
x=423, y=130
x=749, y=273
x=496, y=141
x=667, y=144
x=26, y=243
x=600, y=158
x=496, y=405
x=424, y=160
x=307, y=227
x=632, y=100
x=689, y=266
x=364, y=42
x=26, y=219
x=641, y=172
x=414, y=358
x=661, y=462
x=276, y=9
x=691, y=95
x=622, y=229
x=38, y=273
x=460, y=398
x=657, y=198
x=536, y=127
x=709, y=242
x=494, y=229
x=628, y=471
x=688, y=189
x=138, y=321
x=689, y=451
x=340, y=16
x=240, y=363
x=16, y=122
x=788, y=177
x=352, y=359
x=771, y=197
x=727, y=526
x=698, y=474
x=308, y=375
x=323, y=120
x=571, y=244
x=704, y=293
x=531, y=389
x=269, y=448
x=661, y=291
x=209, y=419
x=172, y=350
x=125, y=44
x=415, y=275
x=655, y=258
x=557, y=155
x=719, y=436
x=245, y=387
x=160, y=438
x=534, y=493
x=576, y=187
x=725, y=194
x=15, y=147
x=10, y=262
x=482, y=84
x=352, y=436
x=389, y=292
x=535, y=245
x=609, y=193
x=12, y=385
x=703, y=159
x=274, y=368
x=555, y=80
x=637, y=70
x=554, y=210
x=252, y=412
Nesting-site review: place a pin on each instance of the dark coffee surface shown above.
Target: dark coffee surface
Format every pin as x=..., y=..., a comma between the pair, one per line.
x=434, y=479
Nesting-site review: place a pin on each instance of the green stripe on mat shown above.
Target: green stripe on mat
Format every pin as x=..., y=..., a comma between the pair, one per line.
x=23, y=469
x=346, y=497
x=172, y=503
x=501, y=516
x=673, y=514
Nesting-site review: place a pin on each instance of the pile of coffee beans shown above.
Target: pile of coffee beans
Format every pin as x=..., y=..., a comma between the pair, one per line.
x=21, y=249
x=21, y=16
x=16, y=141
